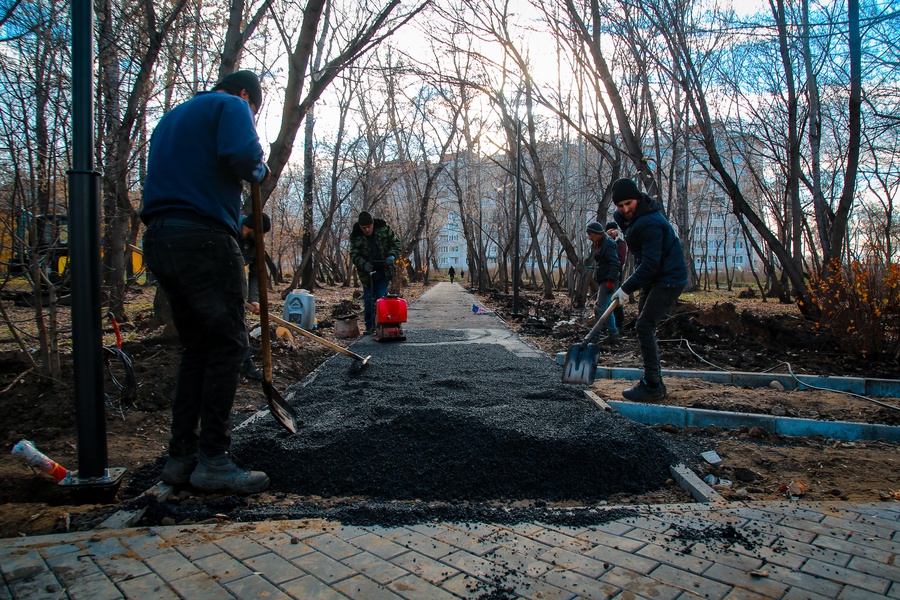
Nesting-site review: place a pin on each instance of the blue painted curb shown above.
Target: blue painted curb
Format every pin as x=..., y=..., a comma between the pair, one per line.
x=886, y=388
x=651, y=414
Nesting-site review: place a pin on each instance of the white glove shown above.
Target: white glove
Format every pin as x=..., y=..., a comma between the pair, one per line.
x=620, y=295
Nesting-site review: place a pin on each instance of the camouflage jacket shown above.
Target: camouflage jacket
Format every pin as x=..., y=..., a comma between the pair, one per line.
x=384, y=243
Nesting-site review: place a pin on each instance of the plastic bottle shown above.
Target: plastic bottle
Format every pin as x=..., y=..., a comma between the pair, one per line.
x=300, y=308
x=33, y=457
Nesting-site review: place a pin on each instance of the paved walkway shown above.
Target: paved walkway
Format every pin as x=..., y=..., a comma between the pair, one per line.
x=741, y=550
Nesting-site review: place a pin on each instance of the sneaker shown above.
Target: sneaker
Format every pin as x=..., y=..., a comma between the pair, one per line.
x=221, y=474
x=644, y=392
x=178, y=470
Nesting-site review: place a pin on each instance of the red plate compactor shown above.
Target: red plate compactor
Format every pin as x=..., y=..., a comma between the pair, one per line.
x=390, y=314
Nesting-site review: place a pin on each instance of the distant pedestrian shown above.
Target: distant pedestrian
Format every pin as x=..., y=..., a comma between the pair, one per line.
x=451, y=273
x=660, y=274
x=199, y=153
x=374, y=248
x=612, y=230
x=462, y=275
x=606, y=269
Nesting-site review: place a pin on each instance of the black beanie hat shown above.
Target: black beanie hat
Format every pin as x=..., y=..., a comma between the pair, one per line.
x=365, y=218
x=242, y=80
x=594, y=227
x=247, y=221
x=625, y=189
x=612, y=225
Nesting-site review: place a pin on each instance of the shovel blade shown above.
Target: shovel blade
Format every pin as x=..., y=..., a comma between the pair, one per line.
x=580, y=365
x=283, y=412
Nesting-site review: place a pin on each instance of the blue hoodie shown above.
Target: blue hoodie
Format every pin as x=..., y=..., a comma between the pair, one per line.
x=200, y=152
x=656, y=248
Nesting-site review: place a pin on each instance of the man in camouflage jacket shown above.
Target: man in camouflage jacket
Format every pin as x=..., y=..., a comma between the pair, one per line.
x=374, y=248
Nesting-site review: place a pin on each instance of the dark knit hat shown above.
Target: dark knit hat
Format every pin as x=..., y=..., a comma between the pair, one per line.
x=242, y=80
x=594, y=227
x=612, y=225
x=365, y=218
x=625, y=189
x=247, y=221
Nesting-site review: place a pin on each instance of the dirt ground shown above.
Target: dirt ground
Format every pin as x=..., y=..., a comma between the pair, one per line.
x=726, y=332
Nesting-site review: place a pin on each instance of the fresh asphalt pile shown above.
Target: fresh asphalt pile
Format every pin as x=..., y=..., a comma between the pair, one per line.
x=462, y=421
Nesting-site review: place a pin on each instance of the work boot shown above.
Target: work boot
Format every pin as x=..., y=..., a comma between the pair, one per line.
x=178, y=470
x=612, y=339
x=644, y=392
x=250, y=371
x=219, y=473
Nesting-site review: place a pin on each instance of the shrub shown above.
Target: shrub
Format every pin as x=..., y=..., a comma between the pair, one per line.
x=860, y=302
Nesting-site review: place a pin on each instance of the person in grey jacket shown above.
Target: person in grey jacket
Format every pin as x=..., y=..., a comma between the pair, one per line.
x=660, y=275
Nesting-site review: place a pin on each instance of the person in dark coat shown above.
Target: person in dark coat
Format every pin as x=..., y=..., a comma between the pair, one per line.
x=606, y=269
x=612, y=230
x=451, y=273
x=247, y=241
x=200, y=153
x=660, y=275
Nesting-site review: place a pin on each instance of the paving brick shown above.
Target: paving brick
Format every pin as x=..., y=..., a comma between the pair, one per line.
x=806, y=582
x=526, y=529
x=891, y=572
x=324, y=567
x=283, y=544
x=374, y=567
x=171, y=565
x=197, y=550
x=413, y=588
x=735, y=555
x=470, y=563
x=241, y=547
x=575, y=583
x=253, y=587
x=120, y=568
x=556, y=539
x=22, y=565
x=847, y=576
x=894, y=592
x=521, y=544
x=613, y=540
x=334, y=547
x=688, y=581
x=377, y=545
x=566, y=559
x=41, y=586
x=796, y=593
x=626, y=560
x=59, y=549
x=833, y=552
x=465, y=541
x=638, y=584
x=223, y=567
x=148, y=586
x=146, y=545
x=524, y=564
x=70, y=567
x=742, y=579
x=348, y=532
x=464, y=586
x=414, y=540
x=425, y=567
x=310, y=588
x=853, y=593
x=104, y=548
x=652, y=524
x=198, y=586
x=363, y=588
x=95, y=586
x=675, y=556
x=273, y=567
x=745, y=594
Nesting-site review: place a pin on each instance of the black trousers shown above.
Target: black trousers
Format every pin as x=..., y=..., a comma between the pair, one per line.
x=201, y=271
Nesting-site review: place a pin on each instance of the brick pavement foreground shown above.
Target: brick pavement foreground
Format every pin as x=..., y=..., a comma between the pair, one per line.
x=750, y=550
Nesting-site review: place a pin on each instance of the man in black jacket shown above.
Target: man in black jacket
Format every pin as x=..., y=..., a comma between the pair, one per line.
x=660, y=274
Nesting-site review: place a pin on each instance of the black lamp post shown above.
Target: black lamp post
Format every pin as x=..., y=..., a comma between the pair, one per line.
x=84, y=256
x=515, y=311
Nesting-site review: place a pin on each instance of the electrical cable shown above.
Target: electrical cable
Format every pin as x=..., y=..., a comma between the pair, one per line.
x=122, y=377
x=791, y=373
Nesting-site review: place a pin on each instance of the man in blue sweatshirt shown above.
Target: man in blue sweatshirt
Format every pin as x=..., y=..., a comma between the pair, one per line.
x=200, y=153
x=660, y=275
